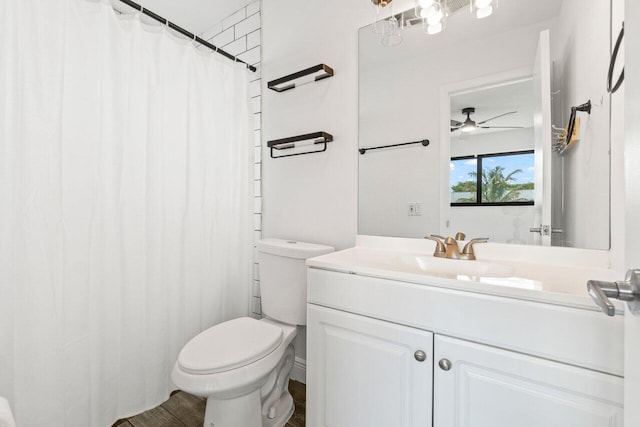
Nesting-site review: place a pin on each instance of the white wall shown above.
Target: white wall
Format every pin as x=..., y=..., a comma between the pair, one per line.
x=313, y=197
x=580, y=47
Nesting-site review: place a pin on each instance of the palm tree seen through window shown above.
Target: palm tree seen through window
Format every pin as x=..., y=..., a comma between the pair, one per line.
x=498, y=179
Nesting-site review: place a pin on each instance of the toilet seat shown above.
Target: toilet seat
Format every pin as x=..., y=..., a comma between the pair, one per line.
x=229, y=345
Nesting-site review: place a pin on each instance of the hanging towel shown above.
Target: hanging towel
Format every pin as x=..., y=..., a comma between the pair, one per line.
x=6, y=418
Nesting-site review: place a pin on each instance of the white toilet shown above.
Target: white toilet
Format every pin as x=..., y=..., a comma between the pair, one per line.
x=242, y=366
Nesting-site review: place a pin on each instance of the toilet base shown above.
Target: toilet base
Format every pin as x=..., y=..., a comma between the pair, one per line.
x=255, y=410
x=283, y=409
x=241, y=411
x=245, y=412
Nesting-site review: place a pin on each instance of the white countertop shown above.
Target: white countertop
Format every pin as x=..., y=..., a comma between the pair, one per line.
x=555, y=282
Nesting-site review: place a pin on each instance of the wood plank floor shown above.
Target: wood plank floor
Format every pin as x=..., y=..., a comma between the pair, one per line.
x=185, y=410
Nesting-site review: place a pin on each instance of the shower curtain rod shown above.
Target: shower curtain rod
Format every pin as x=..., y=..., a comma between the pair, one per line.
x=184, y=32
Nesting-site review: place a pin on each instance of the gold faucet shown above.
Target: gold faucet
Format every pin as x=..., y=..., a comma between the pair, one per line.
x=440, y=250
x=448, y=247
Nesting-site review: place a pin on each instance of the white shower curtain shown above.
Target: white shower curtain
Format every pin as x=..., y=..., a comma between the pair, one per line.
x=125, y=214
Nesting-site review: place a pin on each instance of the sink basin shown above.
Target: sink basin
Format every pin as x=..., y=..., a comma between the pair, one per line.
x=537, y=274
x=455, y=267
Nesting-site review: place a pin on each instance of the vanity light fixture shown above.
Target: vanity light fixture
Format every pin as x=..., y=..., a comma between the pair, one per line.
x=483, y=8
x=390, y=28
x=433, y=14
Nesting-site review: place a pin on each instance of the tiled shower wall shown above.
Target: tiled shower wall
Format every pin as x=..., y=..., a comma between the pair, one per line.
x=239, y=34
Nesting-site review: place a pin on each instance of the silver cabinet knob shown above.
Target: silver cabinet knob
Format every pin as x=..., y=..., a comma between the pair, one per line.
x=627, y=290
x=420, y=356
x=444, y=364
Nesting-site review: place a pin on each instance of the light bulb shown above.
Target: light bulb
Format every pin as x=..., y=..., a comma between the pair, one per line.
x=480, y=4
x=429, y=11
x=427, y=3
x=434, y=29
x=436, y=18
x=484, y=12
x=468, y=128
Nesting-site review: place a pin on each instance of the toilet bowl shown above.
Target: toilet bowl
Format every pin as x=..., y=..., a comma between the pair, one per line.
x=242, y=366
x=229, y=364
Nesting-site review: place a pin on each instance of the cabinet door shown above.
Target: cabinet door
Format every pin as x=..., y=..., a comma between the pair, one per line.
x=486, y=386
x=363, y=372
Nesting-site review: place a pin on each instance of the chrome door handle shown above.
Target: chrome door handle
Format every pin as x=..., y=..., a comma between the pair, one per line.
x=627, y=290
x=600, y=292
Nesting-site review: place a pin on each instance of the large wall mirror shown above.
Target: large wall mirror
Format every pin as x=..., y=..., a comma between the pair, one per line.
x=492, y=96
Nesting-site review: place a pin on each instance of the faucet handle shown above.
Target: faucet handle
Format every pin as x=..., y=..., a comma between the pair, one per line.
x=468, y=248
x=440, y=248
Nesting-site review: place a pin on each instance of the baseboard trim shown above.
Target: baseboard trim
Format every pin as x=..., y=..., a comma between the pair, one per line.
x=299, y=371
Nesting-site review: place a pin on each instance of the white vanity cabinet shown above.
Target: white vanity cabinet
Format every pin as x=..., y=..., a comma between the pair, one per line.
x=366, y=372
x=479, y=386
x=490, y=360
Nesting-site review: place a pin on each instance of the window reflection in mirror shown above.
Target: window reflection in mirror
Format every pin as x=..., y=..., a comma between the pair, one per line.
x=499, y=179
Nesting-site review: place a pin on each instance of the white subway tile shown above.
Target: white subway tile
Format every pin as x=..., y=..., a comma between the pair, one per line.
x=251, y=56
x=256, y=283
x=257, y=154
x=253, y=8
x=257, y=222
x=257, y=189
x=255, y=75
x=234, y=19
x=257, y=171
x=257, y=138
x=253, y=39
x=236, y=47
x=255, y=88
x=257, y=117
x=257, y=205
x=256, y=104
x=223, y=38
x=257, y=235
x=248, y=25
x=255, y=306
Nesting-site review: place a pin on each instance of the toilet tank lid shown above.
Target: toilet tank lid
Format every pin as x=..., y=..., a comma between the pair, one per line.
x=292, y=249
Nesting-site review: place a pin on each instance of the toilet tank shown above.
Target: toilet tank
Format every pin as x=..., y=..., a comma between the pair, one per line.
x=283, y=278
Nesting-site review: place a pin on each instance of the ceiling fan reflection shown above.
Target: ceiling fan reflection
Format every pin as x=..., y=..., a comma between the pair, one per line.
x=469, y=125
